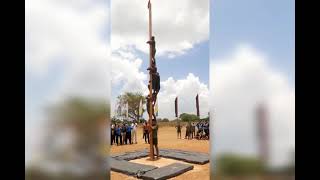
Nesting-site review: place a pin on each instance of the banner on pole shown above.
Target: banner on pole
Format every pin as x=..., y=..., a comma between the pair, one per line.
x=156, y=108
x=140, y=108
x=127, y=110
x=149, y=4
x=176, y=106
x=197, y=105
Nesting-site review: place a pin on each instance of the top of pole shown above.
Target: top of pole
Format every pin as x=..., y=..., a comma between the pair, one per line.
x=151, y=153
x=149, y=4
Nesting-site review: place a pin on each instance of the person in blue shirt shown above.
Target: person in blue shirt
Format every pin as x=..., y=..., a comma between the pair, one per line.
x=118, y=135
x=123, y=133
x=128, y=133
x=207, y=130
x=198, y=129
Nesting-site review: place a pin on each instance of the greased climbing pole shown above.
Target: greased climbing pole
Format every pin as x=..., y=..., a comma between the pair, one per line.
x=150, y=99
x=154, y=85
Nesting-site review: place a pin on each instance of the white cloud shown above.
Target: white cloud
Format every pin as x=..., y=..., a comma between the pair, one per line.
x=72, y=33
x=177, y=27
x=64, y=30
x=126, y=71
x=240, y=81
x=186, y=90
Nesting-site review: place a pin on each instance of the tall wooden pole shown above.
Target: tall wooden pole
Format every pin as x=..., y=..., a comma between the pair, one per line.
x=151, y=154
x=262, y=126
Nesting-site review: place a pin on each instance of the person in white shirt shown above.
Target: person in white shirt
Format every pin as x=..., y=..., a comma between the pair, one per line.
x=134, y=132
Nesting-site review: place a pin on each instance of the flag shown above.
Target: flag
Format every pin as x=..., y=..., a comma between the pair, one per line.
x=127, y=110
x=176, y=106
x=119, y=110
x=149, y=4
x=140, y=108
x=156, y=108
x=197, y=105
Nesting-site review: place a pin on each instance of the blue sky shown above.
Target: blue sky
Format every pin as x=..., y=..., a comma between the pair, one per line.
x=268, y=25
x=195, y=61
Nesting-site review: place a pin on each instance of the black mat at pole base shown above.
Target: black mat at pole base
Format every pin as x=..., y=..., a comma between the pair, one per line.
x=167, y=172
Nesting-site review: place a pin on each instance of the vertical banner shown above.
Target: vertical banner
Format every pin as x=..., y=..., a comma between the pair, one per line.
x=262, y=130
x=119, y=111
x=197, y=105
x=156, y=108
x=140, y=108
x=127, y=110
x=176, y=106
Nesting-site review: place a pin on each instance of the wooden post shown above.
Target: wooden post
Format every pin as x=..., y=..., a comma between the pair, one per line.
x=151, y=154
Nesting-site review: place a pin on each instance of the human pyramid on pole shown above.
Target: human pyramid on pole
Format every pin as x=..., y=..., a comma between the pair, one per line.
x=154, y=87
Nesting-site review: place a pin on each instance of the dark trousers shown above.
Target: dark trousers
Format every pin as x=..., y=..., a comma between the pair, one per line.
x=124, y=138
x=146, y=136
x=112, y=139
x=207, y=132
x=120, y=137
x=117, y=139
x=128, y=137
x=179, y=133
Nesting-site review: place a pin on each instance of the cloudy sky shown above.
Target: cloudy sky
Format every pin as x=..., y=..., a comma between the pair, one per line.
x=251, y=59
x=181, y=30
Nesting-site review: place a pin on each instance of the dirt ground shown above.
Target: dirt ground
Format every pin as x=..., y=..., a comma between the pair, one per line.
x=167, y=138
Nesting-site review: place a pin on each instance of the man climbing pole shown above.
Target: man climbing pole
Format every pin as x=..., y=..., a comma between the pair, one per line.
x=155, y=136
x=148, y=107
x=152, y=44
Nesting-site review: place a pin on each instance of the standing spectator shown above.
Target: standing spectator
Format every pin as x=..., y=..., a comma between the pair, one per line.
x=143, y=128
x=123, y=134
x=128, y=134
x=155, y=137
x=134, y=132
x=178, y=127
x=118, y=135
x=146, y=133
x=193, y=130
x=207, y=130
x=196, y=129
x=187, y=131
x=112, y=134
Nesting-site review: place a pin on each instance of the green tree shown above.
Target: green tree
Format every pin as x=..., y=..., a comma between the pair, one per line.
x=239, y=165
x=165, y=120
x=185, y=117
x=205, y=119
x=133, y=100
x=86, y=120
x=84, y=116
